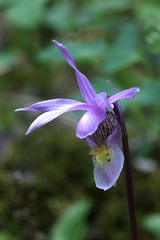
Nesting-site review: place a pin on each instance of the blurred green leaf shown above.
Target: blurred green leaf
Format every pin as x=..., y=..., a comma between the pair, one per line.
x=78, y=50
x=72, y=224
x=148, y=14
x=7, y=60
x=26, y=13
x=6, y=2
x=149, y=94
x=49, y=53
x=153, y=41
x=96, y=12
x=86, y=14
x=56, y=15
x=5, y=236
x=103, y=6
x=152, y=223
x=124, y=52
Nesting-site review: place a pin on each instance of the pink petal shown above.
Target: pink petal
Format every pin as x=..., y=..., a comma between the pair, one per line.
x=89, y=122
x=105, y=177
x=129, y=93
x=87, y=91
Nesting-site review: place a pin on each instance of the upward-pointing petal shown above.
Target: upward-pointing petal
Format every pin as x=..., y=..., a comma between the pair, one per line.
x=87, y=91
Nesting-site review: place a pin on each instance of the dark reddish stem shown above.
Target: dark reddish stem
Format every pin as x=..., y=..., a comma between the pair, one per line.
x=129, y=184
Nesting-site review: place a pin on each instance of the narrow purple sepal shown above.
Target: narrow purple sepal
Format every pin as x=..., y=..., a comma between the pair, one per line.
x=65, y=54
x=54, y=104
x=128, y=93
x=87, y=91
x=106, y=176
x=60, y=106
x=43, y=119
x=89, y=122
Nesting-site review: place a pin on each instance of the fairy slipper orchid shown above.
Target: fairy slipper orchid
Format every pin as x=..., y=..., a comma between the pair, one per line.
x=98, y=126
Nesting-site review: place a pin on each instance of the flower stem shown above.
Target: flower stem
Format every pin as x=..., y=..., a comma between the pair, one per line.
x=129, y=184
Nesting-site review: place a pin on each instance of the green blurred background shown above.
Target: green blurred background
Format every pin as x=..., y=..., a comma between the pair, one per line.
x=47, y=190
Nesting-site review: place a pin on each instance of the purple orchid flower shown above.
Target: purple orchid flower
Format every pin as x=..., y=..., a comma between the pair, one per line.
x=98, y=126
